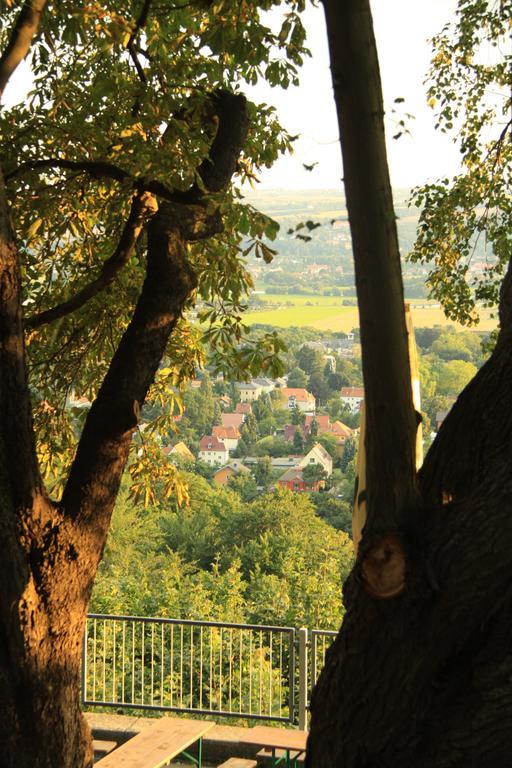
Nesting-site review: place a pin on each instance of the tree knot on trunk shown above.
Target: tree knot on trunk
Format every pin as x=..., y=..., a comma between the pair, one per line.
x=383, y=566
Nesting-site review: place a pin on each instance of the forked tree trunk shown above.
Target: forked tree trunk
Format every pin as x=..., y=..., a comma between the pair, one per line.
x=50, y=552
x=423, y=679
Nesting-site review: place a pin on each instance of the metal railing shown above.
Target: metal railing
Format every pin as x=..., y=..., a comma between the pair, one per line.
x=201, y=667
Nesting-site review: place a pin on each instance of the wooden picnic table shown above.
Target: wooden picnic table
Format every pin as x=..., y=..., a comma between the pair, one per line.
x=158, y=743
x=292, y=743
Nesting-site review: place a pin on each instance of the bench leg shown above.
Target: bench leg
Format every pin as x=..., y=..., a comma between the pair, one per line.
x=196, y=760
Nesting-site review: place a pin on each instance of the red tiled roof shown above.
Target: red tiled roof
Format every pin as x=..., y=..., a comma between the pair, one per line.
x=211, y=443
x=323, y=422
x=230, y=433
x=352, y=391
x=243, y=408
x=298, y=393
x=232, y=419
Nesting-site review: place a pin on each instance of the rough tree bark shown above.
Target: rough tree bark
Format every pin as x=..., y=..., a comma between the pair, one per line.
x=423, y=678
x=51, y=550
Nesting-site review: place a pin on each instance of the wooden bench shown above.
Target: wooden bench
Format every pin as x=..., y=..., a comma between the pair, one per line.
x=102, y=748
x=239, y=762
x=266, y=754
x=157, y=744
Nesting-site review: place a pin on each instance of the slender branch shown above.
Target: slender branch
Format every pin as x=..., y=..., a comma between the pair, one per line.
x=21, y=37
x=138, y=66
x=103, y=448
x=142, y=206
x=100, y=169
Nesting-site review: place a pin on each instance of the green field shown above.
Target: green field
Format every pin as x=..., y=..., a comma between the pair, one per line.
x=327, y=314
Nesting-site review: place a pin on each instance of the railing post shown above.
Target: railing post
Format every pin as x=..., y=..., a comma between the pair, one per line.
x=303, y=678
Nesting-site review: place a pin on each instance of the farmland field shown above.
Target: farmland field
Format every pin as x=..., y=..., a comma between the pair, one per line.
x=327, y=314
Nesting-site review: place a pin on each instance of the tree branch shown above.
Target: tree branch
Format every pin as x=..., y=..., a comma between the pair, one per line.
x=103, y=448
x=142, y=206
x=100, y=169
x=21, y=37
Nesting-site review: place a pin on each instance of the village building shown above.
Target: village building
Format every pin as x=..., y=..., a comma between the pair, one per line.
x=352, y=397
x=179, y=451
x=223, y=475
x=245, y=408
x=266, y=385
x=232, y=419
x=318, y=455
x=228, y=435
x=213, y=451
x=249, y=391
x=296, y=397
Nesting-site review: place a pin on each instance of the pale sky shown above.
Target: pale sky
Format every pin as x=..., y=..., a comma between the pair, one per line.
x=402, y=28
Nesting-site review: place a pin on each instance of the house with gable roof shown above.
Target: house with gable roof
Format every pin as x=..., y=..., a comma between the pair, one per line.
x=228, y=435
x=318, y=455
x=352, y=397
x=297, y=397
x=213, y=451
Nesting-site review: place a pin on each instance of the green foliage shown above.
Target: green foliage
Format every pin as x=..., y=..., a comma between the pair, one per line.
x=272, y=560
x=297, y=378
x=313, y=473
x=335, y=512
x=263, y=472
x=138, y=98
x=470, y=88
x=453, y=376
x=308, y=359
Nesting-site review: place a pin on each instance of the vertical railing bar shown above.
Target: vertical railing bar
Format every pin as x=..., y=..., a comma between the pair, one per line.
x=114, y=697
x=230, y=668
x=280, y=674
x=94, y=662
x=291, y=676
x=211, y=668
x=172, y=660
x=162, y=662
x=240, y=676
x=104, y=659
x=220, y=669
x=270, y=670
x=181, y=665
x=133, y=662
x=123, y=659
x=152, y=689
x=201, y=667
x=143, y=644
x=250, y=671
x=191, y=666
x=261, y=675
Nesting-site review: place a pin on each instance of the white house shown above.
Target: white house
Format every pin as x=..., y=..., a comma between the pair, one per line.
x=296, y=397
x=227, y=435
x=353, y=397
x=213, y=451
x=318, y=455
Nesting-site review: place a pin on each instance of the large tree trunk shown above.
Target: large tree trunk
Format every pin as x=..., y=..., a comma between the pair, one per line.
x=51, y=551
x=423, y=678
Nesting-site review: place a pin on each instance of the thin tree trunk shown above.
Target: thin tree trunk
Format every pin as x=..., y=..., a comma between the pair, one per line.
x=422, y=679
